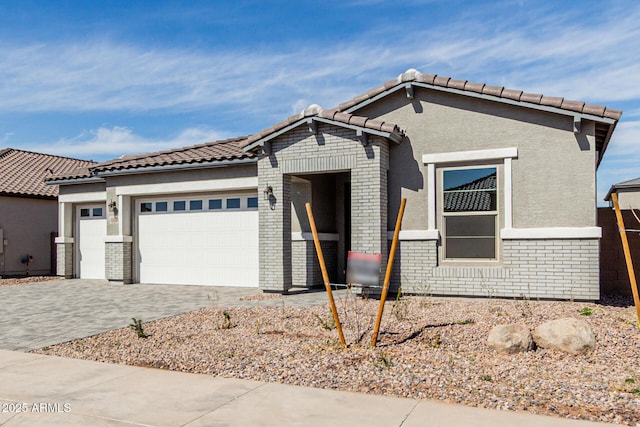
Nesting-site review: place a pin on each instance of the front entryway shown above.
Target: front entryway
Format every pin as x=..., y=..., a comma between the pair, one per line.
x=330, y=198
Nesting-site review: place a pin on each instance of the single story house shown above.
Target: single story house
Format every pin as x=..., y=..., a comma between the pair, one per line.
x=484, y=169
x=29, y=210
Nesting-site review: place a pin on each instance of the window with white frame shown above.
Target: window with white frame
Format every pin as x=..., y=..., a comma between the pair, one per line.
x=466, y=201
x=470, y=212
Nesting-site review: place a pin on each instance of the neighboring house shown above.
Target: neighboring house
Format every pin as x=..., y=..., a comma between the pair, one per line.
x=29, y=210
x=628, y=194
x=614, y=277
x=484, y=169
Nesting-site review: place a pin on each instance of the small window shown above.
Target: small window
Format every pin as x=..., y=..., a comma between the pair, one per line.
x=97, y=212
x=252, y=202
x=146, y=207
x=215, y=204
x=233, y=203
x=180, y=205
x=470, y=210
x=85, y=212
x=195, y=205
x=162, y=206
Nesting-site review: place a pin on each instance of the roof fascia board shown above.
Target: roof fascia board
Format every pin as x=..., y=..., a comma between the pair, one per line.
x=305, y=120
x=27, y=196
x=353, y=127
x=69, y=181
x=605, y=144
x=173, y=168
x=275, y=134
x=546, y=108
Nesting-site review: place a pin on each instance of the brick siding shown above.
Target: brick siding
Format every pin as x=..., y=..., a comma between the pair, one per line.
x=554, y=269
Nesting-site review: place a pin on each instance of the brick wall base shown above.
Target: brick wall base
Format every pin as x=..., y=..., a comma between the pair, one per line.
x=554, y=269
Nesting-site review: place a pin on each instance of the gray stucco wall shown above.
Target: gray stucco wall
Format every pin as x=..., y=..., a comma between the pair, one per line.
x=183, y=176
x=27, y=225
x=551, y=159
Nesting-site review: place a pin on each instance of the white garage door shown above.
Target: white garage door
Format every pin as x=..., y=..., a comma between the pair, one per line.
x=92, y=228
x=198, y=241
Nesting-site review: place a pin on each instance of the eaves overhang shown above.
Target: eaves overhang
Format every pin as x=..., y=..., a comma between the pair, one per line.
x=396, y=137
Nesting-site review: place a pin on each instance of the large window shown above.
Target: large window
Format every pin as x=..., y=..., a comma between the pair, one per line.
x=470, y=212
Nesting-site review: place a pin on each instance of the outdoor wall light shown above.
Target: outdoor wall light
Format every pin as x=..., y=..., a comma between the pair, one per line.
x=268, y=192
x=112, y=205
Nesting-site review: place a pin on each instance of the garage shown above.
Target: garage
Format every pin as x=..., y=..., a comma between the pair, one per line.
x=90, y=236
x=204, y=240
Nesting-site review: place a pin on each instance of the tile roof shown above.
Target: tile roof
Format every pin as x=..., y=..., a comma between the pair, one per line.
x=463, y=200
x=228, y=149
x=22, y=173
x=481, y=88
x=334, y=115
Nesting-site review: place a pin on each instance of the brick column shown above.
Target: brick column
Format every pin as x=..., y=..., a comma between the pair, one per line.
x=369, y=201
x=275, y=229
x=64, y=258
x=118, y=256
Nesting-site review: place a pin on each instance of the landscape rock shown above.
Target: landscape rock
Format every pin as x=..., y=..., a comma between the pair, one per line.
x=514, y=338
x=569, y=335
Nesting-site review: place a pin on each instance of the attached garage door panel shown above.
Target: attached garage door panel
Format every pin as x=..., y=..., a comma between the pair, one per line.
x=199, y=248
x=91, y=235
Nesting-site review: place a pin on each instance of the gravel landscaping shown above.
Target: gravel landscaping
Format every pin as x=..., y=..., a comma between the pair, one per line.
x=428, y=348
x=11, y=281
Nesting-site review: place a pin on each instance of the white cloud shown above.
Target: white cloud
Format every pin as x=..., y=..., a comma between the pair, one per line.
x=558, y=54
x=111, y=142
x=555, y=55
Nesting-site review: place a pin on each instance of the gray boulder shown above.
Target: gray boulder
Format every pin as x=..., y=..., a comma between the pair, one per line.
x=510, y=338
x=569, y=335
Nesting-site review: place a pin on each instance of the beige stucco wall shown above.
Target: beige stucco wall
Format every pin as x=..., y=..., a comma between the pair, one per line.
x=629, y=198
x=81, y=188
x=553, y=176
x=27, y=225
x=183, y=176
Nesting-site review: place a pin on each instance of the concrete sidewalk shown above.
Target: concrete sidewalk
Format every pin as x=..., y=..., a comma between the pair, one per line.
x=54, y=391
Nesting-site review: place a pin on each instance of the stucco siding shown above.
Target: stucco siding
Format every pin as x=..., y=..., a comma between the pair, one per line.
x=27, y=225
x=549, y=158
x=183, y=176
x=629, y=198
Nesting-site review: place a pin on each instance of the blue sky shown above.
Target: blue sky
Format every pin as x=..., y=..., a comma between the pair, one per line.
x=100, y=79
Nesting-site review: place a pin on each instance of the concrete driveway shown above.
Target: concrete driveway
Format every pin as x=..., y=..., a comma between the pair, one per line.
x=41, y=314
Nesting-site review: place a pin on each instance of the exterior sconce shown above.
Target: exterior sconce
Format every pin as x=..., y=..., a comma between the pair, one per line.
x=268, y=192
x=112, y=205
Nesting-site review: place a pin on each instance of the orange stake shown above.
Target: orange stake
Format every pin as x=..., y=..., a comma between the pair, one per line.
x=387, y=276
x=627, y=254
x=325, y=276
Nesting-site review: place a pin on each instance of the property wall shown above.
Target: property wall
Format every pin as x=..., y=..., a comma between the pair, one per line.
x=27, y=225
x=549, y=155
x=331, y=150
x=614, y=277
